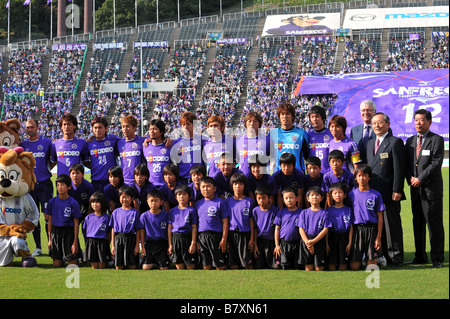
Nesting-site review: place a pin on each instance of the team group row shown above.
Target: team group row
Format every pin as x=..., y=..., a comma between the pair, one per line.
x=226, y=224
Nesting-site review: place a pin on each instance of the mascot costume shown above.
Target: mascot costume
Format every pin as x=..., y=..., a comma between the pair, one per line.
x=19, y=213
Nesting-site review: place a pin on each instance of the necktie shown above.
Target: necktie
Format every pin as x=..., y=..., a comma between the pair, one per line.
x=419, y=146
x=366, y=134
x=377, y=145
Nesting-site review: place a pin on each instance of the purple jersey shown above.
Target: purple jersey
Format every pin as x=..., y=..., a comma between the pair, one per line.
x=264, y=222
x=309, y=182
x=42, y=150
x=210, y=214
x=350, y=150
x=141, y=195
x=223, y=183
x=266, y=179
x=187, y=152
x=196, y=194
x=169, y=194
x=287, y=220
x=155, y=225
x=112, y=194
x=63, y=211
x=341, y=219
x=68, y=152
x=103, y=155
x=329, y=179
x=239, y=213
x=246, y=147
x=157, y=157
x=319, y=143
x=294, y=180
x=125, y=221
x=313, y=222
x=131, y=155
x=182, y=219
x=213, y=150
x=82, y=193
x=366, y=205
x=96, y=226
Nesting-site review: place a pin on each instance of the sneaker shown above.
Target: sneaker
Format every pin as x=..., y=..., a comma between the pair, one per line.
x=382, y=261
x=36, y=252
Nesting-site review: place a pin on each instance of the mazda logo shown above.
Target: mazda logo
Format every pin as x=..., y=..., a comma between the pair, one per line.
x=363, y=17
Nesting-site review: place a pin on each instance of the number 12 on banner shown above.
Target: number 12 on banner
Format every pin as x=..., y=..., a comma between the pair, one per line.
x=409, y=117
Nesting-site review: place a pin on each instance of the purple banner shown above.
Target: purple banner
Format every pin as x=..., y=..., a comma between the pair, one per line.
x=69, y=47
x=318, y=38
x=398, y=94
x=414, y=36
x=232, y=41
x=151, y=44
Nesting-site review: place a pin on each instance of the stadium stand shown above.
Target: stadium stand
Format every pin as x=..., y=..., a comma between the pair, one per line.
x=24, y=70
x=223, y=89
x=268, y=86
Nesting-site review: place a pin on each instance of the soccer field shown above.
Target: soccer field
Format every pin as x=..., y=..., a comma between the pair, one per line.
x=406, y=282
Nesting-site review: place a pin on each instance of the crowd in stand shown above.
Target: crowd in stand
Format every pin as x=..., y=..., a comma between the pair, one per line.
x=96, y=74
x=439, y=53
x=21, y=108
x=361, y=56
x=150, y=69
x=169, y=108
x=128, y=105
x=317, y=58
x=53, y=108
x=24, y=70
x=225, y=82
x=405, y=55
x=91, y=106
x=64, y=70
x=268, y=86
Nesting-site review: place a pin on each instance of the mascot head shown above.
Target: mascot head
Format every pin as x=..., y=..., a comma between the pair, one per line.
x=16, y=172
x=9, y=133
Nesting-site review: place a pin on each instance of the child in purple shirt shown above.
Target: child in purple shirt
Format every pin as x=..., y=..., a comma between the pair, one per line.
x=153, y=233
x=289, y=176
x=125, y=227
x=313, y=224
x=213, y=225
x=368, y=210
x=258, y=175
x=313, y=177
x=287, y=236
x=339, y=237
x=264, y=215
x=337, y=174
x=97, y=232
x=241, y=232
x=142, y=187
x=63, y=215
x=183, y=222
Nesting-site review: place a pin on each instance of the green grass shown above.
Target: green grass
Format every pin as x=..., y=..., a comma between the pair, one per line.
x=407, y=282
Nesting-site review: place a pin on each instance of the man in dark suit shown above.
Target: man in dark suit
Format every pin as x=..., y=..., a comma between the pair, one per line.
x=385, y=155
x=424, y=156
x=362, y=133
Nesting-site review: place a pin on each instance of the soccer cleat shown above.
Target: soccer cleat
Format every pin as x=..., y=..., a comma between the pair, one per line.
x=37, y=252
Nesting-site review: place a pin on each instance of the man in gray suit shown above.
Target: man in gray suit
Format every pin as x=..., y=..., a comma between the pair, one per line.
x=386, y=156
x=424, y=157
x=362, y=133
